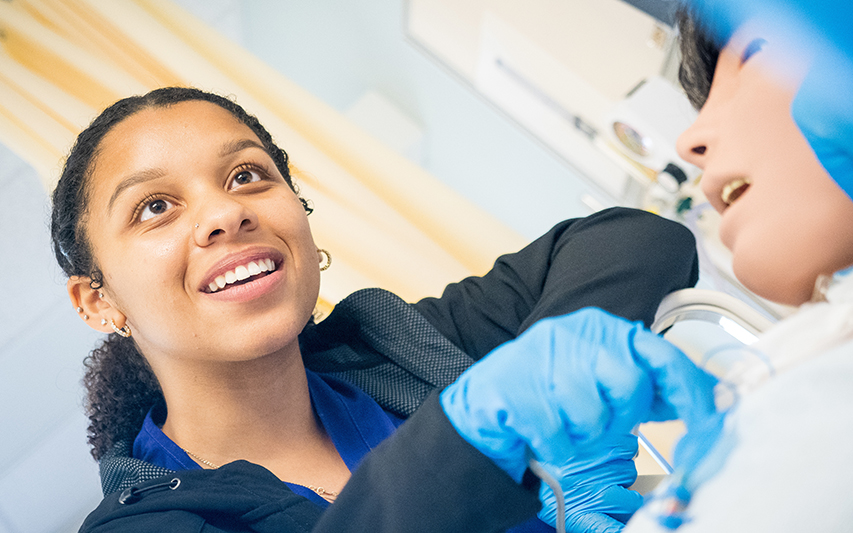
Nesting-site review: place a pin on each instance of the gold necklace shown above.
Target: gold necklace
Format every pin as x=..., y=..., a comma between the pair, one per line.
x=329, y=496
x=206, y=462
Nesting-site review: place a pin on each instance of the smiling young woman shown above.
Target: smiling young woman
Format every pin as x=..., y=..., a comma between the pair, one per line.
x=217, y=402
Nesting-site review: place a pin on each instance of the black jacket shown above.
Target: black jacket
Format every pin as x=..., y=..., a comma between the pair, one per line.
x=425, y=477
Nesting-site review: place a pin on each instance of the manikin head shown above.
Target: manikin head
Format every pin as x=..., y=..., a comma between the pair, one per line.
x=784, y=218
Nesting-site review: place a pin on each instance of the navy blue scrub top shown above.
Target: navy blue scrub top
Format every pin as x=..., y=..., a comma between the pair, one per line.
x=353, y=420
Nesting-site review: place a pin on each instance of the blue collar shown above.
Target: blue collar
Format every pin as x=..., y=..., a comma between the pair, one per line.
x=354, y=421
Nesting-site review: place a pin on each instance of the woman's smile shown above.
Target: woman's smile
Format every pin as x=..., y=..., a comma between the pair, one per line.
x=239, y=268
x=242, y=274
x=248, y=289
x=245, y=276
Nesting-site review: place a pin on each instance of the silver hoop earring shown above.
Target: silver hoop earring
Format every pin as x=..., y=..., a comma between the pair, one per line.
x=328, y=262
x=124, y=331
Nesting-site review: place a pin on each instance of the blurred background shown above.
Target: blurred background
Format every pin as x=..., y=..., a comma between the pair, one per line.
x=431, y=136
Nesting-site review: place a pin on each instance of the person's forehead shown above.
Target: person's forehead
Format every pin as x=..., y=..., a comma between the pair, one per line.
x=156, y=131
x=151, y=137
x=191, y=116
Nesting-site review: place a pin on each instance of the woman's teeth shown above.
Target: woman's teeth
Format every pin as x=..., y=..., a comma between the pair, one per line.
x=252, y=268
x=734, y=190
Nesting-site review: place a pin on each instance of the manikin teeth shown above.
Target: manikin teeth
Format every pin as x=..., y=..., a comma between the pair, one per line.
x=242, y=272
x=734, y=189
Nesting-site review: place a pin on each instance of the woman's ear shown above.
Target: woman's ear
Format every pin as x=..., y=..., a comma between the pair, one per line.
x=91, y=306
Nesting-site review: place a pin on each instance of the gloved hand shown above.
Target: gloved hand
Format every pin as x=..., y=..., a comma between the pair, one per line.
x=567, y=382
x=594, y=485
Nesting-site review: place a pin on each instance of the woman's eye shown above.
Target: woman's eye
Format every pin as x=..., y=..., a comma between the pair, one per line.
x=155, y=208
x=244, y=177
x=751, y=49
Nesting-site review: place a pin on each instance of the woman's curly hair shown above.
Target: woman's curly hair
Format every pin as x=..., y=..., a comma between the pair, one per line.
x=120, y=385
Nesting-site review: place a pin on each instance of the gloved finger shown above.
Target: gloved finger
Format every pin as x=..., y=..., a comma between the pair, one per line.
x=611, y=447
x=592, y=523
x=616, y=500
x=599, y=367
x=563, y=393
x=682, y=390
x=607, y=494
x=626, y=387
x=622, y=446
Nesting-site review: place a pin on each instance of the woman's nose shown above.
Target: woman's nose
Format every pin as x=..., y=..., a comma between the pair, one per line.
x=222, y=219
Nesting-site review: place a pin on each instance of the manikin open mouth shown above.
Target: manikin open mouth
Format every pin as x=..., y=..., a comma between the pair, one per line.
x=242, y=274
x=734, y=190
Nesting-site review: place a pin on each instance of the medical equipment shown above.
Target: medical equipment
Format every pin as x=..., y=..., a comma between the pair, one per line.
x=542, y=473
x=742, y=322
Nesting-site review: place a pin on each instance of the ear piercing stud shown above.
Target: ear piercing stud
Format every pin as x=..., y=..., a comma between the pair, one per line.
x=103, y=321
x=80, y=310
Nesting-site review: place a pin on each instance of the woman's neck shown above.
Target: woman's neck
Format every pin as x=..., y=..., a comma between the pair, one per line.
x=258, y=410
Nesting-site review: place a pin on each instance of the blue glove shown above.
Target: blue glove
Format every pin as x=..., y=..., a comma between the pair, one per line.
x=823, y=111
x=568, y=381
x=594, y=485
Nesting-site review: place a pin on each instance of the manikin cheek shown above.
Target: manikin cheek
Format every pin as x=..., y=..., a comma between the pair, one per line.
x=779, y=269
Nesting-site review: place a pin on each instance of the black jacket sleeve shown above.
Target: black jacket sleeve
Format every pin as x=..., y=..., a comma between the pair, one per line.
x=426, y=478
x=621, y=260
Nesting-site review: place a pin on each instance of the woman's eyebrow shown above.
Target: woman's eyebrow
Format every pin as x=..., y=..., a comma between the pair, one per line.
x=135, y=179
x=232, y=147
x=228, y=148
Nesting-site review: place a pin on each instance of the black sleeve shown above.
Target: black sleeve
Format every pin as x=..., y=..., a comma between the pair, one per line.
x=427, y=478
x=621, y=260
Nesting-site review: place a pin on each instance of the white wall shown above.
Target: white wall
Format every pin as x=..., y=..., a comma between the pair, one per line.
x=47, y=478
x=341, y=49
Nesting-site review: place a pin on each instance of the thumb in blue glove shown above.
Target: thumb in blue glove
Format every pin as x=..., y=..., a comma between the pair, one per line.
x=594, y=485
x=567, y=381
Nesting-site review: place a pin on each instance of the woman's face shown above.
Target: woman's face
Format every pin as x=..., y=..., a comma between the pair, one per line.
x=784, y=219
x=184, y=202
